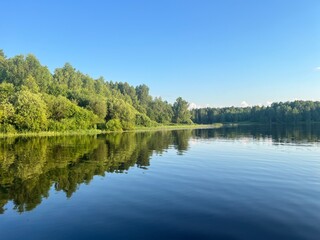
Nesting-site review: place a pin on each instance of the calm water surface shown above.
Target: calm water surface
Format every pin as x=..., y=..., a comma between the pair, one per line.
x=234, y=183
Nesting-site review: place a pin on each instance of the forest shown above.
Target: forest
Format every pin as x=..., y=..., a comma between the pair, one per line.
x=278, y=113
x=32, y=99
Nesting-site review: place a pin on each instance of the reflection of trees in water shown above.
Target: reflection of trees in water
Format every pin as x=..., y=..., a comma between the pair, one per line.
x=278, y=133
x=30, y=166
x=181, y=140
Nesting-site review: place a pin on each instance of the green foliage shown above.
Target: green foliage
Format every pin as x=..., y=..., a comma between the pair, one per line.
x=2, y=54
x=30, y=84
x=70, y=100
x=160, y=111
x=7, y=128
x=144, y=120
x=31, y=112
x=18, y=68
x=33, y=99
x=181, y=113
x=65, y=115
x=67, y=78
x=119, y=109
x=143, y=94
x=280, y=113
x=114, y=125
x=59, y=107
x=98, y=106
x=6, y=91
x=6, y=112
x=41, y=74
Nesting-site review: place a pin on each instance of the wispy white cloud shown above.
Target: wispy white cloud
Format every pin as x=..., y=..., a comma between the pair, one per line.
x=244, y=104
x=193, y=106
x=269, y=103
x=317, y=69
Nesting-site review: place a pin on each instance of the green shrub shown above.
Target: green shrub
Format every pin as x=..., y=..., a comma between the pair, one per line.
x=114, y=125
x=7, y=128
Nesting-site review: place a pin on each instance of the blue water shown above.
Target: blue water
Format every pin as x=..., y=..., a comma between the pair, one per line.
x=221, y=187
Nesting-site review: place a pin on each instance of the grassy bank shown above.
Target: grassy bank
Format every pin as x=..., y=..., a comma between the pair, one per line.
x=96, y=131
x=48, y=134
x=177, y=127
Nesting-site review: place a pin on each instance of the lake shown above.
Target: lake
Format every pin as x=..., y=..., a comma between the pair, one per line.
x=245, y=182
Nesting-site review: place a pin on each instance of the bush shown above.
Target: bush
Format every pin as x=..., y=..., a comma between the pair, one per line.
x=101, y=126
x=114, y=125
x=56, y=126
x=7, y=128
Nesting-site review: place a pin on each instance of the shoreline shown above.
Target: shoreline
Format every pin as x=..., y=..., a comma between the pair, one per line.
x=96, y=131
x=139, y=129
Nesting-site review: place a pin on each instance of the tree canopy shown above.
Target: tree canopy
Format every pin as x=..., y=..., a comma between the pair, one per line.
x=34, y=99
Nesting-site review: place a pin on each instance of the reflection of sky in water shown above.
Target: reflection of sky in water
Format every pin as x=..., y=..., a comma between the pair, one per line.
x=177, y=185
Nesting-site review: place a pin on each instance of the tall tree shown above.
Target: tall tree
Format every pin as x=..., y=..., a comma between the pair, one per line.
x=143, y=95
x=31, y=112
x=181, y=113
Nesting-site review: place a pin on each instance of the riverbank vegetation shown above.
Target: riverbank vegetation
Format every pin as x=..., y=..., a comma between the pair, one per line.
x=34, y=100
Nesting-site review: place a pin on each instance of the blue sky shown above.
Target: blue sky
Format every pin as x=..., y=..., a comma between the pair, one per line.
x=215, y=52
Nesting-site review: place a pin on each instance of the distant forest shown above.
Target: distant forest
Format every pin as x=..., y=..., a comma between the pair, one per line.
x=278, y=113
x=32, y=99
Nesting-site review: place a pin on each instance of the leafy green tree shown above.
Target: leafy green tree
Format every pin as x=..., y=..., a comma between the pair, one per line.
x=144, y=98
x=6, y=92
x=98, y=106
x=144, y=120
x=59, y=107
x=66, y=115
x=160, y=111
x=66, y=79
x=31, y=112
x=3, y=66
x=181, y=113
x=119, y=109
x=31, y=84
x=7, y=112
x=41, y=74
x=114, y=125
x=101, y=87
x=17, y=69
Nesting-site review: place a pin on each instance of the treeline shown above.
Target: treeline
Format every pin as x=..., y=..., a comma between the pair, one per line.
x=279, y=113
x=34, y=99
